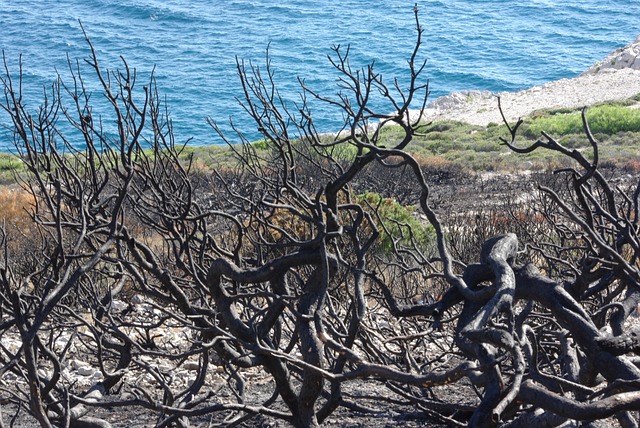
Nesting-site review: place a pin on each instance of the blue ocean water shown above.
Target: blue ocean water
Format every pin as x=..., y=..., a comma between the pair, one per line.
x=494, y=45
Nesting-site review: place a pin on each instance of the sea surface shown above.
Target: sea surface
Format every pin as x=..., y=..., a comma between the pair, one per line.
x=193, y=45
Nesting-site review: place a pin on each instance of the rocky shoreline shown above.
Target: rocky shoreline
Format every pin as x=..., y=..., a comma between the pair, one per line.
x=616, y=77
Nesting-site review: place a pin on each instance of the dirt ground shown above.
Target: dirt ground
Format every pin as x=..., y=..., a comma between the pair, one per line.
x=389, y=412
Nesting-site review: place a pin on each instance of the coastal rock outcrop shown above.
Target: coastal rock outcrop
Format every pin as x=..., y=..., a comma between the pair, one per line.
x=617, y=77
x=626, y=57
x=456, y=99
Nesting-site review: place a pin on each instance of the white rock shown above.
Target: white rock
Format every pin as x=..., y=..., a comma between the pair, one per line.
x=119, y=305
x=86, y=371
x=147, y=358
x=13, y=345
x=150, y=380
x=9, y=377
x=76, y=364
x=137, y=299
x=144, y=307
x=165, y=368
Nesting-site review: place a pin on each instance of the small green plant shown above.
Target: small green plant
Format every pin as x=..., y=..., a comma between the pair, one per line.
x=10, y=165
x=400, y=222
x=260, y=144
x=9, y=162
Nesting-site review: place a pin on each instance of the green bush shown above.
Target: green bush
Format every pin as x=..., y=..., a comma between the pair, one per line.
x=606, y=119
x=260, y=144
x=487, y=146
x=9, y=162
x=400, y=221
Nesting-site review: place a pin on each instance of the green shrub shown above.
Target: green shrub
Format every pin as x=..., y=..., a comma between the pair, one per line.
x=574, y=141
x=625, y=139
x=487, y=146
x=400, y=221
x=606, y=119
x=9, y=162
x=260, y=144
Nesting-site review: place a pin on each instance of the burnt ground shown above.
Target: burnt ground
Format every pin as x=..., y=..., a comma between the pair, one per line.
x=383, y=410
x=377, y=406
x=374, y=404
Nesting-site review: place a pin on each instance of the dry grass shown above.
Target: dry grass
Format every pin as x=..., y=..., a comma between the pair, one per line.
x=15, y=206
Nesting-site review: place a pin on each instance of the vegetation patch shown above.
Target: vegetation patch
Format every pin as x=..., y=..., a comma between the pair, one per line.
x=605, y=119
x=398, y=224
